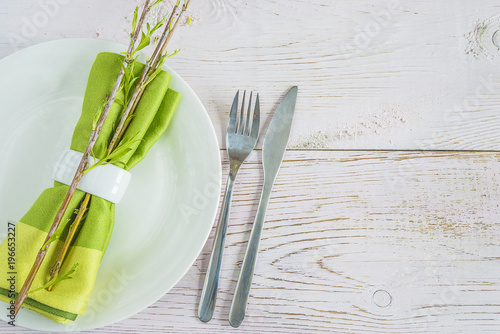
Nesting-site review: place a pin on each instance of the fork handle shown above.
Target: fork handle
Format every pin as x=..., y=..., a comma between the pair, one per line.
x=209, y=292
x=240, y=298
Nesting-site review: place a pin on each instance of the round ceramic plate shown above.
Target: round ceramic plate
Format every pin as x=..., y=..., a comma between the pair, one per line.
x=166, y=215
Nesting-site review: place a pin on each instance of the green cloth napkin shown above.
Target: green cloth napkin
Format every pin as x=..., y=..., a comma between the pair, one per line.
x=69, y=298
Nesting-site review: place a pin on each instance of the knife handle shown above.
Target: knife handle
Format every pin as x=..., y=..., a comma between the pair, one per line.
x=209, y=292
x=240, y=298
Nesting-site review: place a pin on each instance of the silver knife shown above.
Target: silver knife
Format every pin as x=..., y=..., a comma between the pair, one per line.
x=272, y=156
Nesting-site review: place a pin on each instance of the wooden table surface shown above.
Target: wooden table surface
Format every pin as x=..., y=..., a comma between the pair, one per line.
x=385, y=215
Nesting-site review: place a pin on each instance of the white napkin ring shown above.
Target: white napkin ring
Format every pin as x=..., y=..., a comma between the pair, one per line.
x=105, y=181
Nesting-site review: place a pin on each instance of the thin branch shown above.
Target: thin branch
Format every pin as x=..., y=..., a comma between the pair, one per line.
x=62, y=253
x=152, y=64
x=55, y=269
x=23, y=294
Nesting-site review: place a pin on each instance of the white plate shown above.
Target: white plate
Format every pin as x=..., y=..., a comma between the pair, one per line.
x=166, y=216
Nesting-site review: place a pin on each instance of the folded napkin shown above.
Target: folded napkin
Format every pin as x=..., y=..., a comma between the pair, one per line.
x=69, y=298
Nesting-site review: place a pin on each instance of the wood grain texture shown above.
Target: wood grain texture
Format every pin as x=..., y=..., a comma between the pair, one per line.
x=355, y=242
x=385, y=74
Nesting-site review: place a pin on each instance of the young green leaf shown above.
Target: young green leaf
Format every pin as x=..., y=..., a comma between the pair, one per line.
x=128, y=71
x=134, y=21
x=166, y=56
x=158, y=25
x=93, y=157
x=174, y=53
x=122, y=149
x=156, y=3
x=152, y=76
x=120, y=102
x=171, y=25
x=146, y=36
x=145, y=41
x=124, y=68
x=97, y=163
x=98, y=115
x=57, y=234
x=129, y=87
x=57, y=279
x=117, y=154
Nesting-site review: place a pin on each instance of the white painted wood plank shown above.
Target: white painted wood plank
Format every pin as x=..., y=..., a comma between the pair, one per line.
x=378, y=74
x=415, y=232
x=421, y=226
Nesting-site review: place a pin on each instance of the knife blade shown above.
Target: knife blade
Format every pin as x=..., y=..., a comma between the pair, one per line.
x=273, y=152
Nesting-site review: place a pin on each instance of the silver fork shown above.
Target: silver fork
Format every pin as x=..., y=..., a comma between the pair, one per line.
x=241, y=138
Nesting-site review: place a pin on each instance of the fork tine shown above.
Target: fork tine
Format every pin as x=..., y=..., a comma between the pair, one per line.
x=231, y=126
x=247, y=124
x=240, y=123
x=256, y=119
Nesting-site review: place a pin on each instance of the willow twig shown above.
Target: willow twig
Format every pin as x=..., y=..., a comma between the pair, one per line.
x=149, y=68
x=23, y=294
x=62, y=253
